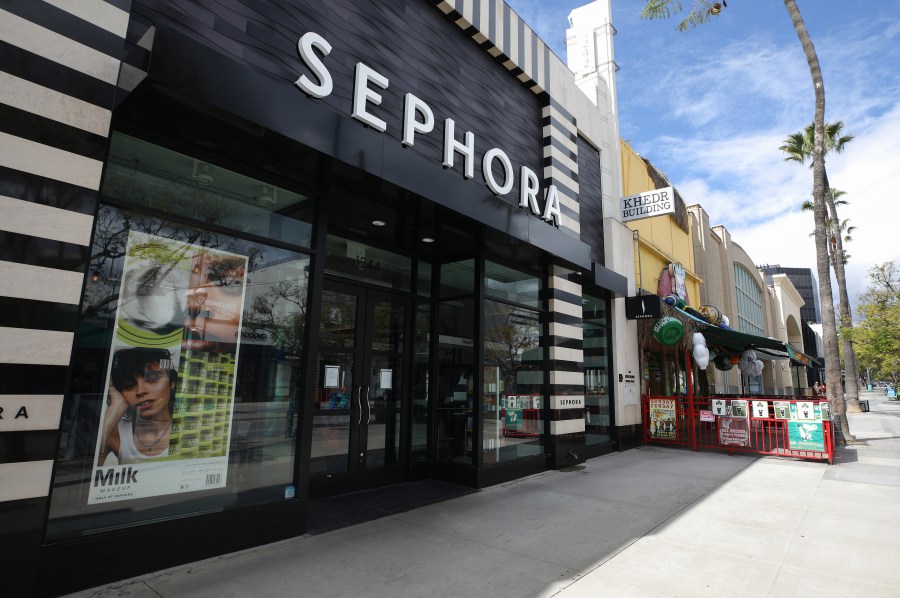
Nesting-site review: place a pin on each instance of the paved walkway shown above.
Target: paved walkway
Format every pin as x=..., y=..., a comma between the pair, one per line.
x=650, y=522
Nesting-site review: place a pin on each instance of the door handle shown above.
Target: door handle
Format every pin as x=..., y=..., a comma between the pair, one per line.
x=368, y=408
x=359, y=405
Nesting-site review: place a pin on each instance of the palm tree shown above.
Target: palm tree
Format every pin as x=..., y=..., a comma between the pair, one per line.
x=798, y=147
x=844, y=230
x=701, y=12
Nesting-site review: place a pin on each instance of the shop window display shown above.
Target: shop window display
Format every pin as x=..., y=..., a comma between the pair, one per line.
x=513, y=424
x=186, y=369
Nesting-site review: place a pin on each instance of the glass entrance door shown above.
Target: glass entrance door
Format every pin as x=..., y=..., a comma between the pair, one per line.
x=358, y=415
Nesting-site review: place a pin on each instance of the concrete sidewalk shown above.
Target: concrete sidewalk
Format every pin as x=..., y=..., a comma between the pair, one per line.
x=646, y=522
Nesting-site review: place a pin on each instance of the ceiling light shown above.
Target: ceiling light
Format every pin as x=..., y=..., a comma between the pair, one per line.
x=202, y=173
x=267, y=199
x=427, y=240
x=378, y=223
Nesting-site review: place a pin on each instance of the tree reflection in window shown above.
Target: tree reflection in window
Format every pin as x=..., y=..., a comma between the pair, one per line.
x=512, y=345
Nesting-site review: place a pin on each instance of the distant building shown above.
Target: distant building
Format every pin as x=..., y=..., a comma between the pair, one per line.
x=806, y=284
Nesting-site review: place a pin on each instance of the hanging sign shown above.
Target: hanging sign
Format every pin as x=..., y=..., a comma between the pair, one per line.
x=647, y=204
x=643, y=307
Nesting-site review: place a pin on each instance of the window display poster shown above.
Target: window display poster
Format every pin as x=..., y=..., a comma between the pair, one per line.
x=734, y=431
x=662, y=419
x=806, y=436
x=166, y=415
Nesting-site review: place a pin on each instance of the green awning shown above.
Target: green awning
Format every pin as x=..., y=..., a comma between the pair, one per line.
x=738, y=342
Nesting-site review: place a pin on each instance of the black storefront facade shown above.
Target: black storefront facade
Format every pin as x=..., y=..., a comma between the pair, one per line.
x=330, y=251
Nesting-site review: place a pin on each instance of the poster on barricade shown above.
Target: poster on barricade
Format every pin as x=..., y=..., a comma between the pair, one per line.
x=734, y=431
x=806, y=436
x=804, y=410
x=662, y=419
x=719, y=406
x=782, y=409
x=739, y=408
x=166, y=416
x=760, y=409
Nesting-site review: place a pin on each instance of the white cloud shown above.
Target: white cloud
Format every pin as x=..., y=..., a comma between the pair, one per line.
x=868, y=171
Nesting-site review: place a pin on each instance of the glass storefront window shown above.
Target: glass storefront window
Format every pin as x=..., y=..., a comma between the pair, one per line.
x=186, y=376
x=458, y=278
x=512, y=285
x=359, y=261
x=421, y=386
x=147, y=175
x=513, y=376
x=423, y=288
x=598, y=408
x=456, y=379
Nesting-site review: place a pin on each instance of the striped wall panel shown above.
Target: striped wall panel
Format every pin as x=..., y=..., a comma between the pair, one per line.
x=566, y=354
x=506, y=37
x=500, y=32
x=59, y=64
x=561, y=163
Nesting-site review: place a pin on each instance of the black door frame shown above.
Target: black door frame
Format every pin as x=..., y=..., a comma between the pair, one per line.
x=358, y=476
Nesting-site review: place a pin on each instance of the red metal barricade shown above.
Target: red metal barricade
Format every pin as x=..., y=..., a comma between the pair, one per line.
x=786, y=426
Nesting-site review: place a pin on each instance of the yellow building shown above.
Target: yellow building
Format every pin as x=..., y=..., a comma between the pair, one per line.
x=659, y=240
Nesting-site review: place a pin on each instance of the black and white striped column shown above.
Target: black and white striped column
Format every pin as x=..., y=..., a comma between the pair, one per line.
x=566, y=355
x=59, y=61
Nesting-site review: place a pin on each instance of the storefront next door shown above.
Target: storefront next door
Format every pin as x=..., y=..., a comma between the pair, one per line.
x=358, y=410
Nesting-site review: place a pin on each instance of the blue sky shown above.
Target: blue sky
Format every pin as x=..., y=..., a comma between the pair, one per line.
x=710, y=108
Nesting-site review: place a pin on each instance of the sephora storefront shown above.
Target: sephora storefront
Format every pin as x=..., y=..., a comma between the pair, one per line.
x=333, y=247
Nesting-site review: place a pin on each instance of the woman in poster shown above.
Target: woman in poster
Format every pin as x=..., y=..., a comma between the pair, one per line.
x=141, y=397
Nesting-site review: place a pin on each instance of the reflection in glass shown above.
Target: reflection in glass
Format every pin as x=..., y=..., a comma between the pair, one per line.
x=334, y=385
x=507, y=284
x=597, y=414
x=455, y=383
x=385, y=384
x=458, y=278
x=144, y=174
x=421, y=386
x=513, y=374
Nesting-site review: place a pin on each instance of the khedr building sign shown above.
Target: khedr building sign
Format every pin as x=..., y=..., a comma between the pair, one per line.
x=647, y=204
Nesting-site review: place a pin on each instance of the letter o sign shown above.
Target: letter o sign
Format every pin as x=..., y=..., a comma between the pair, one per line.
x=486, y=165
